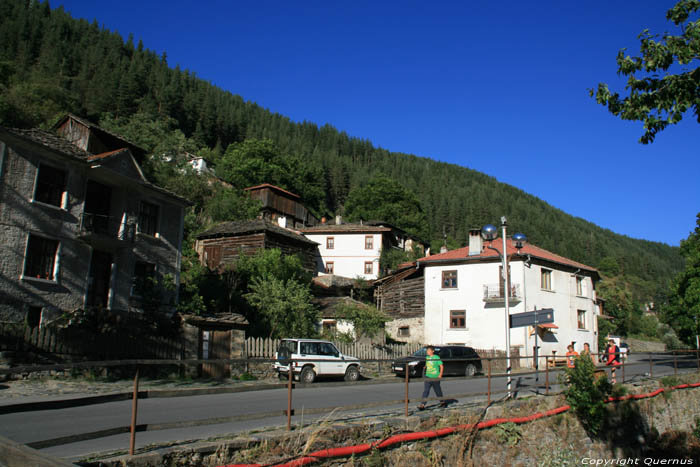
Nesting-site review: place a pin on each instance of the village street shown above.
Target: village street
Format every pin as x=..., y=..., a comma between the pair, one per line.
x=256, y=409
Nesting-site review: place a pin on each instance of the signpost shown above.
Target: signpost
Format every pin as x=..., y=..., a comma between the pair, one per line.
x=533, y=318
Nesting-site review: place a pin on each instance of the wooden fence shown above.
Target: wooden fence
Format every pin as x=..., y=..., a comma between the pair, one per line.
x=266, y=348
x=100, y=346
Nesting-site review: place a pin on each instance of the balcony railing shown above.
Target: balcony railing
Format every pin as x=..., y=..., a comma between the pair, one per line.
x=106, y=227
x=495, y=293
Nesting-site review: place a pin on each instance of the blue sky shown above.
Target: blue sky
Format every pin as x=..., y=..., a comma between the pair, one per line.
x=499, y=87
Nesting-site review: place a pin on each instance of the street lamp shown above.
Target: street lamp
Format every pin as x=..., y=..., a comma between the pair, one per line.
x=489, y=233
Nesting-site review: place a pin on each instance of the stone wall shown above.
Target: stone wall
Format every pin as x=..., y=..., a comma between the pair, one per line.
x=415, y=329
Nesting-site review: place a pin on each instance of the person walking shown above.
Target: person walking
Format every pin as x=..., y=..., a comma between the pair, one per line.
x=571, y=355
x=433, y=374
x=613, y=358
x=586, y=352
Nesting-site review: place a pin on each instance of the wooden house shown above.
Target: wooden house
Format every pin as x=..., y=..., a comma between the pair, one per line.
x=225, y=242
x=281, y=206
x=401, y=296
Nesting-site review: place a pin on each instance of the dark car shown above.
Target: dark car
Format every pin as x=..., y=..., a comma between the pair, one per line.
x=457, y=359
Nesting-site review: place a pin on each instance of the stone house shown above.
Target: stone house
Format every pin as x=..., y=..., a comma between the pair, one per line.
x=80, y=228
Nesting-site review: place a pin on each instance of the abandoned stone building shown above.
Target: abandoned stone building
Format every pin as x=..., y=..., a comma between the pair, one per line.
x=80, y=224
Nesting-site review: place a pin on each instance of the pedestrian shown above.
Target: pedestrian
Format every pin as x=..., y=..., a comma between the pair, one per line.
x=586, y=352
x=433, y=374
x=571, y=355
x=613, y=358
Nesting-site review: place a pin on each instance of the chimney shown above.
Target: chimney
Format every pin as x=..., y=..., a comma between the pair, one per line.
x=475, y=242
x=338, y=220
x=443, y=249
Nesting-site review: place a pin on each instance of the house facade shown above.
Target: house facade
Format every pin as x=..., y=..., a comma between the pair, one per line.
x=349, y=250
x=464, y=296
x=80, y=229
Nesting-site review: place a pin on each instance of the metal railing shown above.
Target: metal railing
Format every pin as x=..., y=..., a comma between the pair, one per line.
x=496, y=293
x=552, y=367
x=106, y=226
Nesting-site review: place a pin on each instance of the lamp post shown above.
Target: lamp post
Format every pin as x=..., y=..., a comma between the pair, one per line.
x=490, y=232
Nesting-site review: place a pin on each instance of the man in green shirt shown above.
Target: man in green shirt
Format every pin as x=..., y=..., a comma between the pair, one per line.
x=433, y=375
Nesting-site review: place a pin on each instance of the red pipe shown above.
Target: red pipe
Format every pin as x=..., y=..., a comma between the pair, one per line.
x=346, y=451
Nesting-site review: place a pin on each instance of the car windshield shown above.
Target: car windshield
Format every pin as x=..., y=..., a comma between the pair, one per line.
x=419, y=352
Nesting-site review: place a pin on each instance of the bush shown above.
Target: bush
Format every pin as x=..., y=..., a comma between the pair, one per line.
x=587, y=395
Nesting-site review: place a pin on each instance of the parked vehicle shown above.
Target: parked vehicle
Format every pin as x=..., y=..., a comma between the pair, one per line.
x=312, y=358
x=624, y=350
x=458, y=360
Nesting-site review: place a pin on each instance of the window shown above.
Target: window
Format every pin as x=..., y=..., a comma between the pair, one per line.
x=40, y=262
x=579, y=287
x=142, y=273
x=546, y=279
x=404, y=331
x=449, y=279
x=582, y=319
x=33, y=318
x=148, y=218
x=330, y=243
x=329, y=267
x=369, y=242
x=50, y=185
x=368, y=267
x=458, y=319
x=330, y=326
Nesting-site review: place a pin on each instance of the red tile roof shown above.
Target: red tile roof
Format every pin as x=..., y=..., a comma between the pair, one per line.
x=527, y=249
x=105, y=155
x=273, y=187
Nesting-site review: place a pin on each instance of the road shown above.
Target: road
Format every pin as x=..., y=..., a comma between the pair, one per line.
x=264, y=408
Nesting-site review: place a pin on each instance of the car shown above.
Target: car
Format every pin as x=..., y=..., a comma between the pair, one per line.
x=312, y=358
x=624, y=350
x=457, y=359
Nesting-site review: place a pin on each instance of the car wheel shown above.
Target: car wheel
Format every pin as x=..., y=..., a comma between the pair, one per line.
x=308, y=375
x=470, y=370
x=352, y=374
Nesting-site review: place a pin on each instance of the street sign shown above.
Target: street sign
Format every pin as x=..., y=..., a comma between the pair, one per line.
x=530, y=318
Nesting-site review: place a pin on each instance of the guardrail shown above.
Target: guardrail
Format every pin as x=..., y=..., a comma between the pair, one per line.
x=688, y=359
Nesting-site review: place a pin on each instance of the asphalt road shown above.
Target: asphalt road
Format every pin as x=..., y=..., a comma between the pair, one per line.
x=264, y=408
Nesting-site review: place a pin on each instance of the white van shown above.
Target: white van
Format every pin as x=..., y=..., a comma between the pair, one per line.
x=312, y=358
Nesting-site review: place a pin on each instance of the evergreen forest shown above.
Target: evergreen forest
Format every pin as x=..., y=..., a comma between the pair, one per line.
x=51, y=63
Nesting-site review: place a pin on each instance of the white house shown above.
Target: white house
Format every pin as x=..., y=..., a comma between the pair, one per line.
x=349, y=250
x=464, y=298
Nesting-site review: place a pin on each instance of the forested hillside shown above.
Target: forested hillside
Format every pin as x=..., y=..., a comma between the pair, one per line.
x=51, y=63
